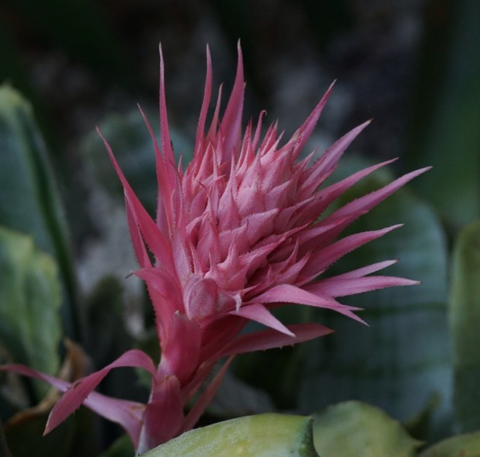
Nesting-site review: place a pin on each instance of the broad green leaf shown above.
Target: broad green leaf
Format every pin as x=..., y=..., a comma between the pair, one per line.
x=264, y=435
x=464, y=323
x=401, y=358
x=132, y=145
x=457, y=446
x=30, y=327
x=355, y=429
x=29, y=200
x=446, y=112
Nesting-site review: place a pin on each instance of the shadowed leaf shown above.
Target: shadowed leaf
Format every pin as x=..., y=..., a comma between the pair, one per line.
x=29, y=199
x=402, y=358
x=464, y=318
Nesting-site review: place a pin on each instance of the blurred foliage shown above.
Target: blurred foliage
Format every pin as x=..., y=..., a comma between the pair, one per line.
x=402, y=358
x=81, y=29
x=464, y=320
x=30, y=298
x=446, y=112
x=122, y=447
x=133, y=147
x=4, y=451
x=76, y=438
x=29, y=197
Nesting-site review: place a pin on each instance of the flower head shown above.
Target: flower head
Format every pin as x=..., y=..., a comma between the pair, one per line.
x=237, y=234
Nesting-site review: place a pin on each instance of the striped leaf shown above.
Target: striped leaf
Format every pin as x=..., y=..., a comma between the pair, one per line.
x=464, y=321
x=402, y=358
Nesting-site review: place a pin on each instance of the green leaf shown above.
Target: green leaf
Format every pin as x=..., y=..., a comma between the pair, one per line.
x=464, y=318
x=30, y=327
x=264, y=435
x=402, y=357
x=355, y=429
x=457, y=446
x=446, y=111
x=29, y=199
x=132, y=145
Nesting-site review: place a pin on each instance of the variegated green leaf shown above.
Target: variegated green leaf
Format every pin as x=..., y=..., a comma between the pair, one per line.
x=29, y=199
x=457, y=446
x=264, y=435
x=355, y=429
x=402, y=358
x=30, y=328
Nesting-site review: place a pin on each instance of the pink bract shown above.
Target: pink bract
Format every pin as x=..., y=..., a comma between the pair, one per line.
x=237, y=234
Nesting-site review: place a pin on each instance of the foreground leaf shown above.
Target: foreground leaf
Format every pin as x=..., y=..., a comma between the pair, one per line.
x=264, y=435
x=30, y=327
x=458, y=446
x=464, y=319
x=355, y=429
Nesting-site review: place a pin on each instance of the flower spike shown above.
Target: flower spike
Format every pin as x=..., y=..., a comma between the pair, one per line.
x=241, y=232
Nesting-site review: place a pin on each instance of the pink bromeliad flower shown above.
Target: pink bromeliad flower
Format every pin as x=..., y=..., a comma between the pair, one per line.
x=237, y=234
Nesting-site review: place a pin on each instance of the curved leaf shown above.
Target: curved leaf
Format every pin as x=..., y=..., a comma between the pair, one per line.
x=457, y=446
x=264, y=435
x=29, y=199
x=464, y=318
x=30, y=327
x=355, y=429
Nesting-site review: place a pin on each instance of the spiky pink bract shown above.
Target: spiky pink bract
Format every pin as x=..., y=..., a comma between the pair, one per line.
x=238, y=233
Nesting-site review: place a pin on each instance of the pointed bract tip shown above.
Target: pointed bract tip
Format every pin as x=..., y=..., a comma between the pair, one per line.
x=332, y=84
x=395, y=227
